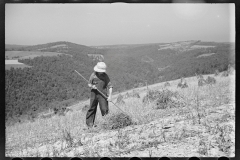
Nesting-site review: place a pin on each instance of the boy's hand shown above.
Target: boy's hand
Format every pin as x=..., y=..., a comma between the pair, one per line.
x=92, y=86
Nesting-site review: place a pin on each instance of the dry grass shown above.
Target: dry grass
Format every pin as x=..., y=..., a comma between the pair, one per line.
x=205, y=123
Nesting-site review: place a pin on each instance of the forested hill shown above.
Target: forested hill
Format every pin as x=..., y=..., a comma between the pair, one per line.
x=13, y=46
x=51, y=81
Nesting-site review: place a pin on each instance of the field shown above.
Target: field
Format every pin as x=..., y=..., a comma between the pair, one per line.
x=202, y=46
x=9, y=66
x=206, y=55
x=200, y=122
x=28, y=54
x=14, y=64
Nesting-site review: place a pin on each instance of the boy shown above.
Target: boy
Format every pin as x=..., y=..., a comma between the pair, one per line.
x=98, y=80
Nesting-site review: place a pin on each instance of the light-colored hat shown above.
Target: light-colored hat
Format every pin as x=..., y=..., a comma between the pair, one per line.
x=100, y=67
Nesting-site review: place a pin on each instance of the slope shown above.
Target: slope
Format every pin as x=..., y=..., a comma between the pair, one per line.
x=203, y=126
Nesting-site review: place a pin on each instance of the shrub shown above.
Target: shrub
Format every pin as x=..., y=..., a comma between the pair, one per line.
x=201, y=82
x=58, y=107
x=69, y=110
x=210, y=80
x=67, y=137
x=166, y=84
x=199, y=76
x=182, y=83
x=126, y=95
x=120, y=99
x=85, y=108
x=151, y=96
x=169, y=99
x=134, y=94
x=230, y=69
x=117, y=120
x=216, y=73
x=164, y=98
x=225, y=74
x=140, y=85
x=59, y=110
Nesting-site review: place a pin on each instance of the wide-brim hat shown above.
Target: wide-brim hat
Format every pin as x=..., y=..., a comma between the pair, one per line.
x=100, y=67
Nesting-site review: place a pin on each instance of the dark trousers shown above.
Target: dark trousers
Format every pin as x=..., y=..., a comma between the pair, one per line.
x=94, y=100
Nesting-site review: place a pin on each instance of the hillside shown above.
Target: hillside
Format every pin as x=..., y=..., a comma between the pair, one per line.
x=199, y=123
x=13, y=46
x=148, y=63
x=51, y=81
x=28, y=54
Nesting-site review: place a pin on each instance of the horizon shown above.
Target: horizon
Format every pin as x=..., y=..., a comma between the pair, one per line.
x=118, y=24
x=120, y=44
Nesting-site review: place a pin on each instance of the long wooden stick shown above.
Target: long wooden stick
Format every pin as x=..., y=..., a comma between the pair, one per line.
x=98, y=90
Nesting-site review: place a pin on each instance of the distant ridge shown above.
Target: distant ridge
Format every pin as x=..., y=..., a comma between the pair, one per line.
x=124, y=45
x=15, y=46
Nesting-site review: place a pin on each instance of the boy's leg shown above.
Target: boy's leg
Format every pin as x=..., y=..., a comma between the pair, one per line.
x=103, y=105
x=91, y=113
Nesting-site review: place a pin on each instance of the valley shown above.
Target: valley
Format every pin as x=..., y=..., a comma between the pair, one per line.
x=47, y=70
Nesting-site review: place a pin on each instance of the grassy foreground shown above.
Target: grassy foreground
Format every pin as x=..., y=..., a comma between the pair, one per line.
x=200, y=122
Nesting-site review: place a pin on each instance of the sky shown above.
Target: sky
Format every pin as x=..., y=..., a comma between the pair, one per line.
x=118, y=23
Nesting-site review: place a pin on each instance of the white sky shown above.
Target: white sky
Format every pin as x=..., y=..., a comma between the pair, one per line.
x=108, y=24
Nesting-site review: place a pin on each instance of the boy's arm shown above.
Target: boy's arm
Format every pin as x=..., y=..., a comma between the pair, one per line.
x=109, y=86
x=90, y=81
x=110, y=94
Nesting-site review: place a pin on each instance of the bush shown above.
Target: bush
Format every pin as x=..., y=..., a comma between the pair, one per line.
x=169, y=99
x=201, y=82
x=58, y=107
x=200, y=76
x=166, y=84
x=230, y=69
x=59, y=111
x=164, y=99
x=210, y=80
x=225, y=74
x=216, y=73
x=117, y=120
x=126, y=95
x=182, y=83
x=119, y=99
x=85, y=108
x=151, y=96
x=134, y=94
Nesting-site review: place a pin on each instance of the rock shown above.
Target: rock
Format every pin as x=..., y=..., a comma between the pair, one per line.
x=166, y=127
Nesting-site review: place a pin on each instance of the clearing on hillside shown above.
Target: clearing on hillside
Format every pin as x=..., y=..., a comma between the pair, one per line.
x=9, y=66
x=28, y=54
x=205, y=55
